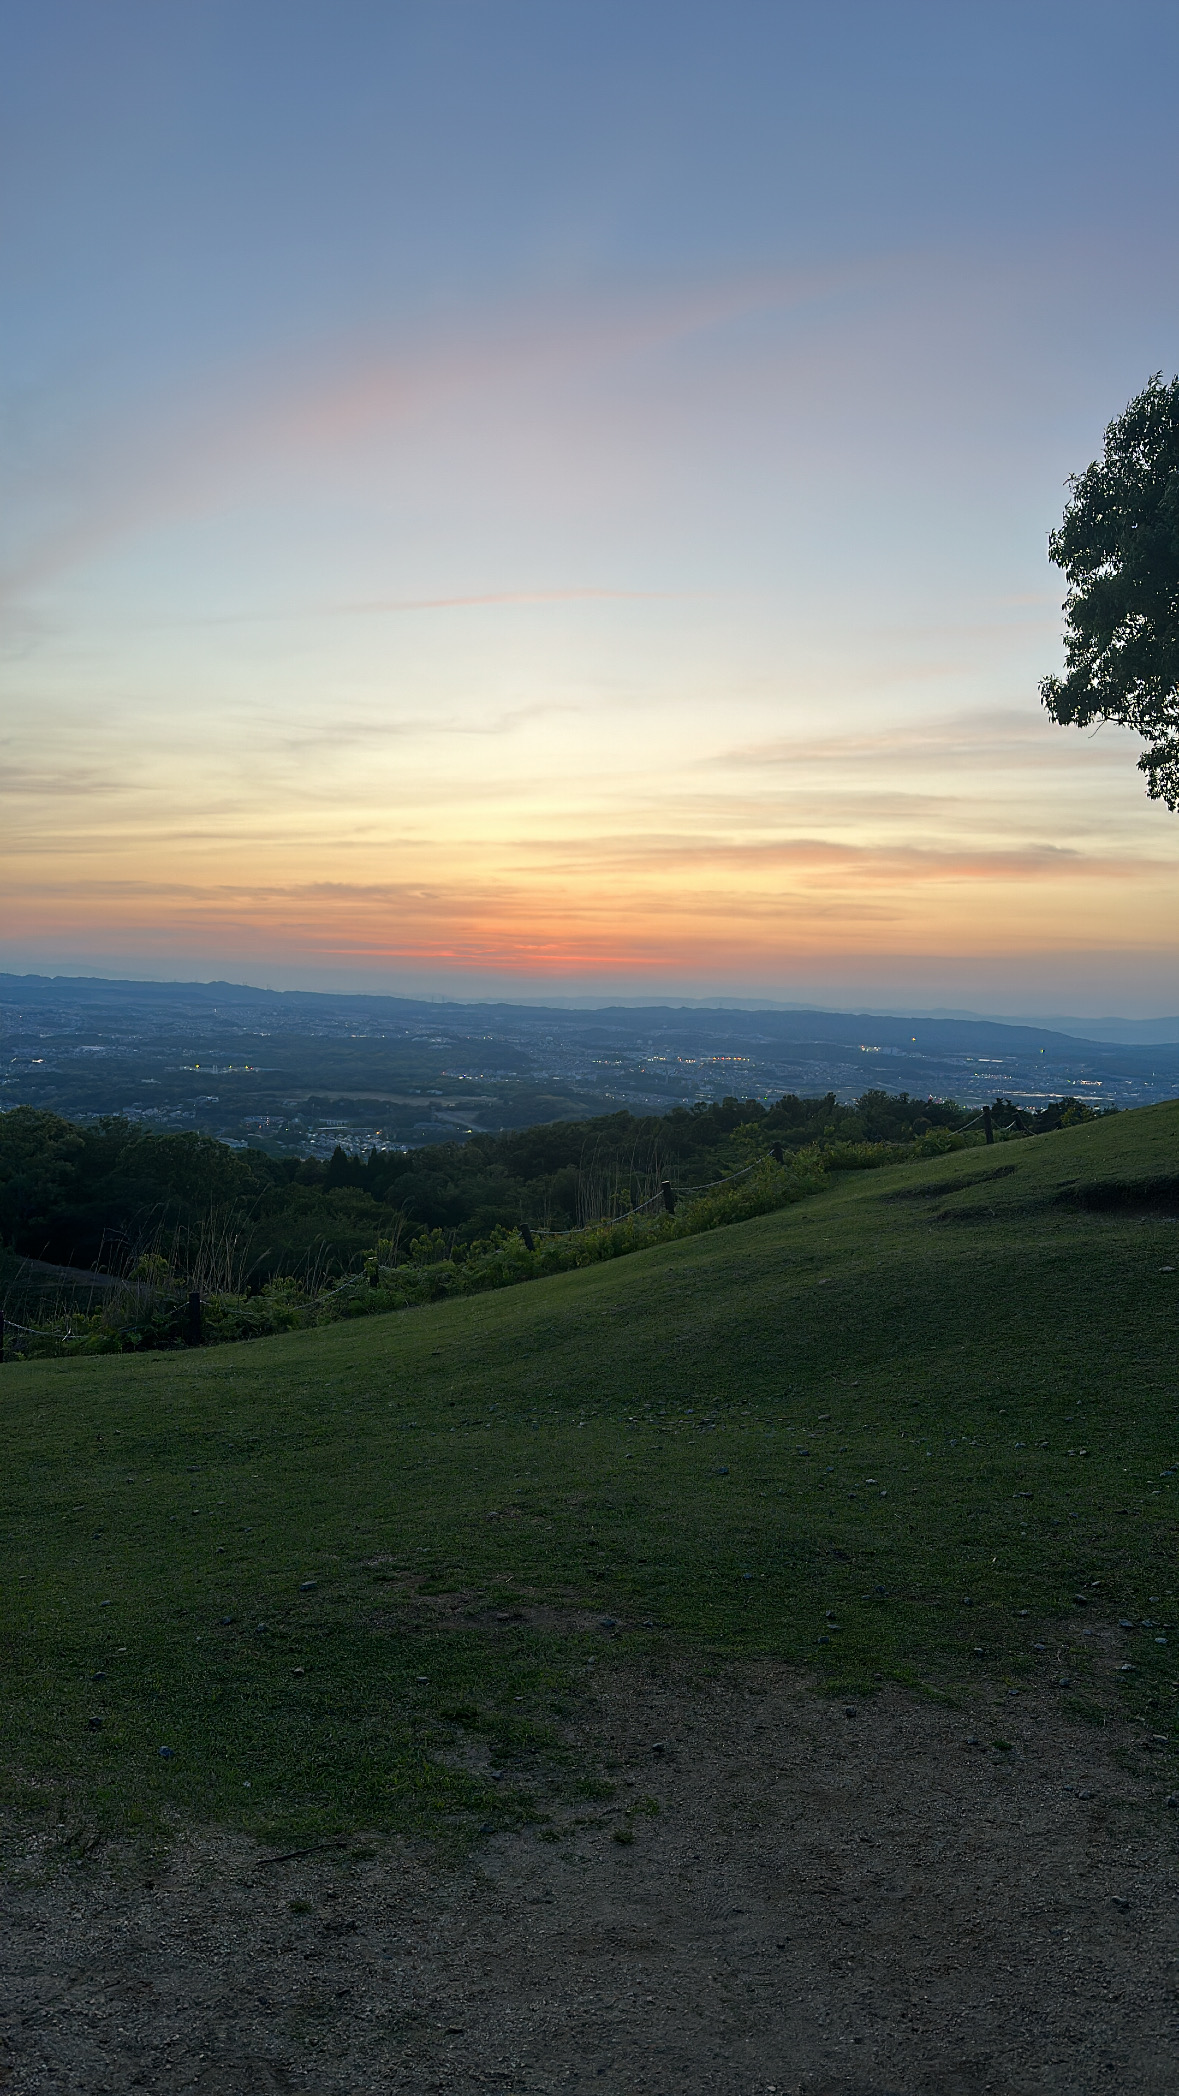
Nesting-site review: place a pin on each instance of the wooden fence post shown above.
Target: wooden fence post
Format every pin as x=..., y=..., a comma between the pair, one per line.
x=526, y=1234
x=194, y=1319
x=776, y=1154
x=988, y=1125
x=668, y=1192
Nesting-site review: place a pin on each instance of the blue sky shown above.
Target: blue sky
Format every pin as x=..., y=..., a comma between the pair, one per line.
x=552, y=497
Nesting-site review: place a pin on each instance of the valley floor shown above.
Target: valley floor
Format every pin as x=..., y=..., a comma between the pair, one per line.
x=888, y=1897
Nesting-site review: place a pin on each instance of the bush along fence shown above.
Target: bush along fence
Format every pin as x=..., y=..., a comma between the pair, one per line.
x=157, y=1307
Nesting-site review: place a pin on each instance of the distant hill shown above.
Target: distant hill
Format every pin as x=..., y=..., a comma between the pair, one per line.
x=529, y=1062
x=801, y=1024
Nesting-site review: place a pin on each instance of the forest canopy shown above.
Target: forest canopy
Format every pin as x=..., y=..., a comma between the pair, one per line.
x=104, y=1194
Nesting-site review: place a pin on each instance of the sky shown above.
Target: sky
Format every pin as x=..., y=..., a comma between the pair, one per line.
x=518, y=499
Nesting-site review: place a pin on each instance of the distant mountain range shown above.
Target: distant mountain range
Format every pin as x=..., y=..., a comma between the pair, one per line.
x=86, y=1045
x=944, y=1029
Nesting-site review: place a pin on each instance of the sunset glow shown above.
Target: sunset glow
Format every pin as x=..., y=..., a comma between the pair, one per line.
x=522, y=527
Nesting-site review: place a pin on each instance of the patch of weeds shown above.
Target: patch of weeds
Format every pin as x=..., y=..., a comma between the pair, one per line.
x=906, y=1677
x=624, y=1836
x=307, y=2013
x=838, y=1689
x=82, y=1841
x=26, y=1801
x=1080, y=1707
x=300, y=1906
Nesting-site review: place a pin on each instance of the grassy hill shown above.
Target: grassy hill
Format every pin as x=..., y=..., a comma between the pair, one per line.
x=353, y=1578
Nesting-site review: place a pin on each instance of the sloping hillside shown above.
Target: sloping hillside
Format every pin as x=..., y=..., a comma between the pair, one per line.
x=356, y=1577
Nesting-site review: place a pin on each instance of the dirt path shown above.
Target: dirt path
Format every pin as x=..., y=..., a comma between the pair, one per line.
x=867, y=1901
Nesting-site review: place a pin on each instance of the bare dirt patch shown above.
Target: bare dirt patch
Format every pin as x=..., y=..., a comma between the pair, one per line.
x=424, y=1606
x=460, y=1611
x=887, y=1897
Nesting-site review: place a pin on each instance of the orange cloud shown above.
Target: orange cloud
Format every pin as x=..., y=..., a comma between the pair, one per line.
x=723, y=915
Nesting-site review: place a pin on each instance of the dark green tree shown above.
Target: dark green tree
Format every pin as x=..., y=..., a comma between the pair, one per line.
x=1118, y=544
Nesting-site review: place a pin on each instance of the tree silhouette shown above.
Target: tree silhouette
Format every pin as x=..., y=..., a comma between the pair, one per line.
x=1118, y=544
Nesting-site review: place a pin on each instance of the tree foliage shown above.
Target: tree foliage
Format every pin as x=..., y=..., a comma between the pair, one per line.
x=1118, y=544
x=109, y=1194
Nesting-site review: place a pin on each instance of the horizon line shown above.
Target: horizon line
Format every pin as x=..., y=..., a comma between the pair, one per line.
x=751, y=1002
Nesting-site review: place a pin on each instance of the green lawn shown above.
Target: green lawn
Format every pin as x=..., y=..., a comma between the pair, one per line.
x=890, y=1432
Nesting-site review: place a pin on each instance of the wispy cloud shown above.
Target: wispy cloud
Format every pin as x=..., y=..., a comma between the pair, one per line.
x=997, y=737
x=189, y=455
x=374, y=607
x=747, y=864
